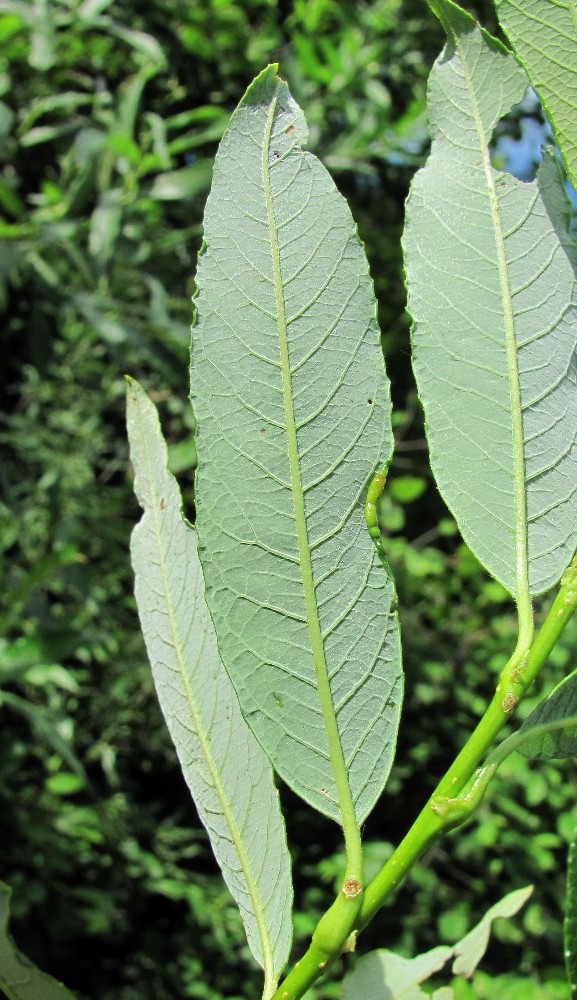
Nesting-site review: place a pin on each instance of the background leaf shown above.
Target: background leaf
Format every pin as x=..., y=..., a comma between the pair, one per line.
x=559, y=707
x=292, y=408
x=226, y=770
x=544, y=37
x=490, y=270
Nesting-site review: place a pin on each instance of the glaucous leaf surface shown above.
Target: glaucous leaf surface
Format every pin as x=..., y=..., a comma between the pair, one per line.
x=470, y=949
x=19, y=978
x=292, y=408
x=228, y=774
x=491, y=282
x=382, y=975
x=544, y=37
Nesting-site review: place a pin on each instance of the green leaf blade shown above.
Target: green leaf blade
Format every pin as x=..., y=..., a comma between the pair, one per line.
x=292, y=408
x=19, y=978
x=226, y=770
x=550, y=731
x=491, y=279
x=544, y=37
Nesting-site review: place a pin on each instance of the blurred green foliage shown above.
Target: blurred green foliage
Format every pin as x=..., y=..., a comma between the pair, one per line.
x=110, y=113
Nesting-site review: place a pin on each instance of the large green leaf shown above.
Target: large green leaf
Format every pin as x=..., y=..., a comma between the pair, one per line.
x=544, y=36
x=225, y=768
x=491, y=280
x=19, y=978
x=292, y=409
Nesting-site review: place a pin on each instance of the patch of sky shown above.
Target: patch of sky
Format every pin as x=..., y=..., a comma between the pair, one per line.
x=518, y=141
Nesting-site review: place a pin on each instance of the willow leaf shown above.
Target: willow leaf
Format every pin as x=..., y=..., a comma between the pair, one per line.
x=490, y=271
x=383, y=975
x=544, y=37
x=292, y=408
x=226, y=770
x=470, y=950
x=19, y=978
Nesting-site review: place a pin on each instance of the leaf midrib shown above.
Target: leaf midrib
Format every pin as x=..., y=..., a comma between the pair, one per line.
x=344, y=795
x=270, y=979
x=522, y=592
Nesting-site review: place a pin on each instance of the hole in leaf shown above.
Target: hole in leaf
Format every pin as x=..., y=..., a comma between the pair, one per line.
x=518, y=138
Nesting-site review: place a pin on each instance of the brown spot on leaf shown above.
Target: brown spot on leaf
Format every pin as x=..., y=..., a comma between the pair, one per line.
x=290, y=130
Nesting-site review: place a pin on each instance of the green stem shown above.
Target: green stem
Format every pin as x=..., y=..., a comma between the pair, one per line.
x=516, y=678
x=329, y=940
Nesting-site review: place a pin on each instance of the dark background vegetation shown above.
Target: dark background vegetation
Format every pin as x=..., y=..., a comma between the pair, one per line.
x=110, y=114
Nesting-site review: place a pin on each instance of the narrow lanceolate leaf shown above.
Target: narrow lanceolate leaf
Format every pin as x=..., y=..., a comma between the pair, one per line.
x=19, y=978
x=490, y=270
x=225, y=768
x=551, y=728
x=544, y=36
x=570, y=923
x=292, y=408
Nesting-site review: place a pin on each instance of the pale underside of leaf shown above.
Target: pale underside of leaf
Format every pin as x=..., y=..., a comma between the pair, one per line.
x=544, y=36
x=470, y=950
x=383, y=975
x=491, y=281
x=226, y=770
x=292, y=410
